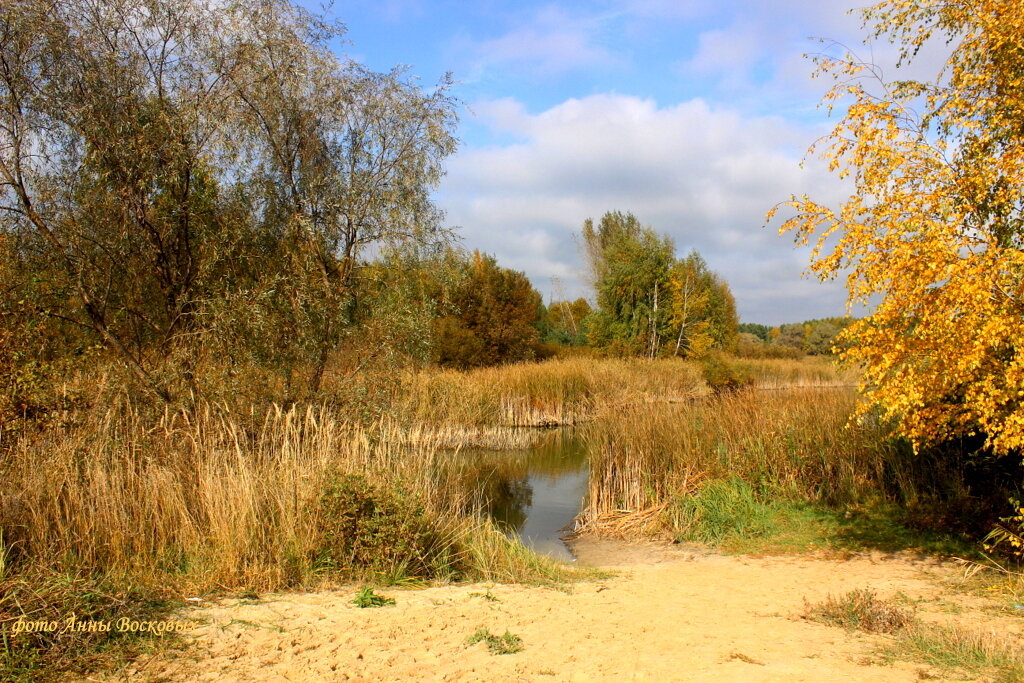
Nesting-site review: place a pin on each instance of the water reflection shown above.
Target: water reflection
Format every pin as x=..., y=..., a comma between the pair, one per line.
x=534, y=493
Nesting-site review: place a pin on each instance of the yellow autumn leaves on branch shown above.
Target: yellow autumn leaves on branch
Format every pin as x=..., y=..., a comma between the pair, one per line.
x=934, y=232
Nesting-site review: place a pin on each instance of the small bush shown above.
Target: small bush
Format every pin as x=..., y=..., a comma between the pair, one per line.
x=861, y=610
x=363, y=527
x=724, y=374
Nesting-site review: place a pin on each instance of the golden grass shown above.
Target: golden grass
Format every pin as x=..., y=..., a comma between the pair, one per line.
x=198, y=502
x=113, y=503
x=793, y=440
x=571, y=390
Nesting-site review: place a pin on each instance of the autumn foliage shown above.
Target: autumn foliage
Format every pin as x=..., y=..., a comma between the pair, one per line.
x=933, y=231
x=492, y=317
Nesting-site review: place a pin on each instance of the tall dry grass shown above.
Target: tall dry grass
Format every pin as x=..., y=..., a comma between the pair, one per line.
x=113, y=505
x=114, y=517
x=572, y=390
x=202, y=501
x=794, y=442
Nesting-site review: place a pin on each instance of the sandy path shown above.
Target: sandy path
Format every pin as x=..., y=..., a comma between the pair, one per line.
x=675, y=616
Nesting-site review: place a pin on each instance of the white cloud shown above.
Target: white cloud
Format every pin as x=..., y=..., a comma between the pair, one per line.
x=551, y=42
x=704, y=175
x=756, y=55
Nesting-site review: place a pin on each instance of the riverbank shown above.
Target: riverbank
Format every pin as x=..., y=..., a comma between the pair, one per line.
x=668, y=614
x=120, y=512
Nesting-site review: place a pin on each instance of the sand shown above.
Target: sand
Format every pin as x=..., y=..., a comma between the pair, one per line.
x=668, y=614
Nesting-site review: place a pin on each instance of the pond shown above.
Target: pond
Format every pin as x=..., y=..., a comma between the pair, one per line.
x=535, y=493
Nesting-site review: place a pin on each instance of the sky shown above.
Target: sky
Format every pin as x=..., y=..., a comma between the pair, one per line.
x=694, y=115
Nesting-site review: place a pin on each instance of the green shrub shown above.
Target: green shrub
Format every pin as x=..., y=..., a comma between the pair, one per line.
x=366, y=598
x=506, y=644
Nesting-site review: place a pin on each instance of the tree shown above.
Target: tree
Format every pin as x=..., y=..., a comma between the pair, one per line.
x=650, y=303
x=756, y=329
x=493, y=316
x=564, y=322
x=691, y=306
x=186, y=178
x=935, y=226
x=629, y=264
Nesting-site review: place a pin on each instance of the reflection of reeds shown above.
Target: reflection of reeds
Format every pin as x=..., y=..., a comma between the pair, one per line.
x=457, y=436
x=789, y=442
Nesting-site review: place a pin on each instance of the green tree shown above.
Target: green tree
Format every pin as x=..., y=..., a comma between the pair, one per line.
x=195, y=180
x=650, y=303
x=565, y=322
x=630, y=267
x=762, y=332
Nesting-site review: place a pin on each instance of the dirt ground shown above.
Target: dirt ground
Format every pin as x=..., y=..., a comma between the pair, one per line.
x=668, y=614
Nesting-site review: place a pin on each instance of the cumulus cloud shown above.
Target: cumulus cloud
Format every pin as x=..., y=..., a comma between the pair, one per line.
x=705, y=175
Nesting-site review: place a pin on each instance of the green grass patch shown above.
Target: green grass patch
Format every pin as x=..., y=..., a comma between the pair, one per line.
x=55, y=624
x=505, y=644
x=367, y=598
x=734, y=518
x=723, y=510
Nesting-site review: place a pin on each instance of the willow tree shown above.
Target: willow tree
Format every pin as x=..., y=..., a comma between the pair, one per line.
x=186, y=176
x=934, y=228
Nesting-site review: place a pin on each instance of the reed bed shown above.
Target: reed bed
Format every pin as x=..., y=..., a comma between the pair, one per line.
x=112, y=507
x=793, y=442
x=103, y=518
x=569, y=391
x=200, y=498
x=201, y=502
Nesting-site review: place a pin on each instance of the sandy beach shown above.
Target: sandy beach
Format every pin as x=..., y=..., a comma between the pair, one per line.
x=667, y=614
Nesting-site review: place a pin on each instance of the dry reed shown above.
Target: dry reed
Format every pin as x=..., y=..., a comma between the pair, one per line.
x=794, y=442
x=199, y=501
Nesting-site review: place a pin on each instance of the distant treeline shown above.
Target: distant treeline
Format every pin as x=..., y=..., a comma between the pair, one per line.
x=815, y=337
x=474, y=312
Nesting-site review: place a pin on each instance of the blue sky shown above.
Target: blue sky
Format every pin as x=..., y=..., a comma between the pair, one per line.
x=692, y=114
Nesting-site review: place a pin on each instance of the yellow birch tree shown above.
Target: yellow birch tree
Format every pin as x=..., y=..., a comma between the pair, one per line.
x=934, y=232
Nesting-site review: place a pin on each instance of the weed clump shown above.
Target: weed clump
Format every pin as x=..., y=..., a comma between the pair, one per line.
x=53, y=622
x=954, y=648
x=951, y=649
x=506, y=644
x=366, y=598
x=861, y=610
x=724, y=374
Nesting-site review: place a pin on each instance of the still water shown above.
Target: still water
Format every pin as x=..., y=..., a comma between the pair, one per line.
x=535, y=493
